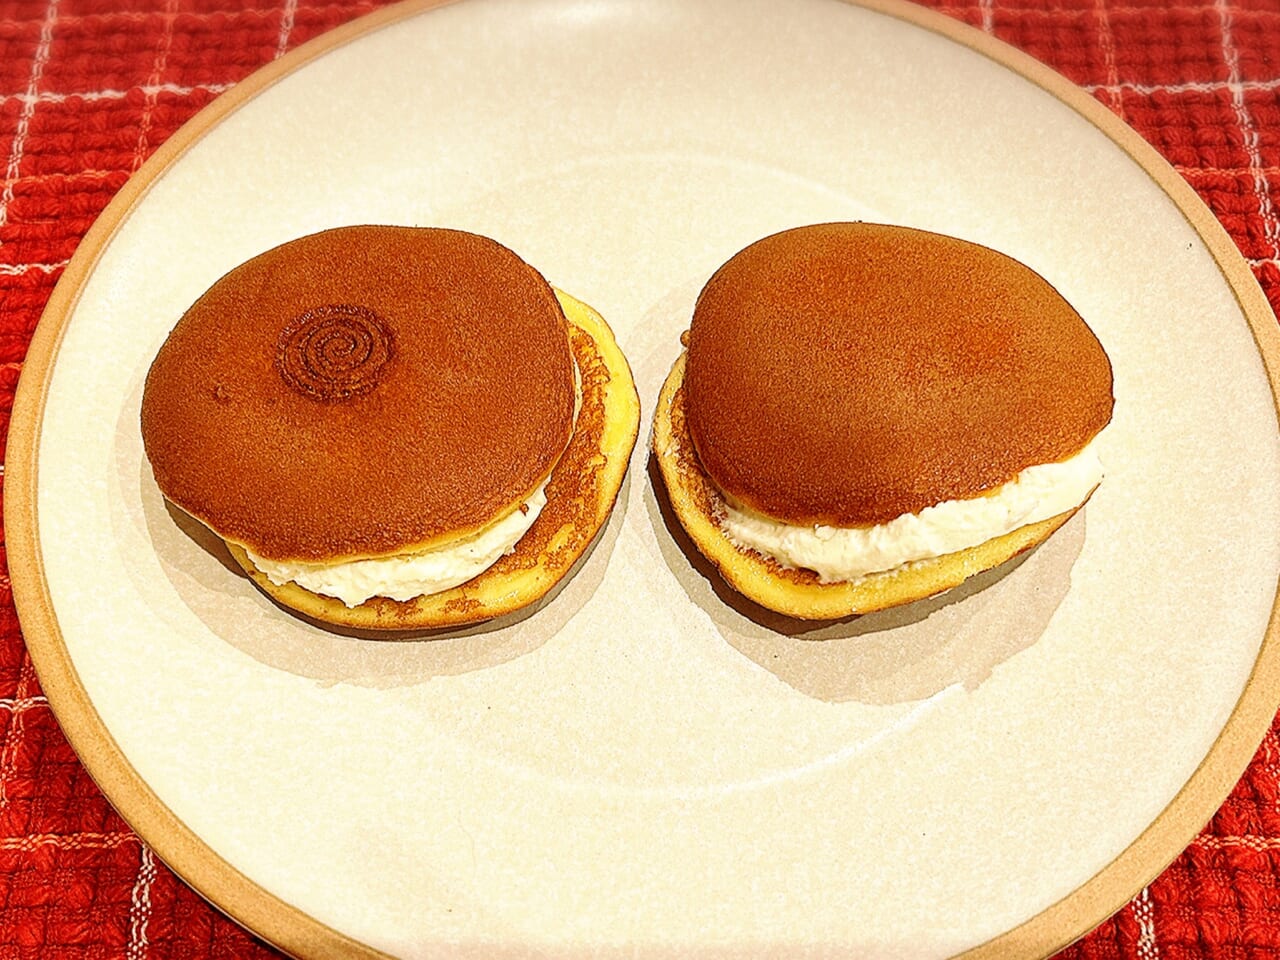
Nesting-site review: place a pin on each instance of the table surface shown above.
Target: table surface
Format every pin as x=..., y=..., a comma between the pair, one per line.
x=88, y=90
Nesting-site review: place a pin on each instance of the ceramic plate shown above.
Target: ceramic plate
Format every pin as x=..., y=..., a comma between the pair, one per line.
x=646, y=764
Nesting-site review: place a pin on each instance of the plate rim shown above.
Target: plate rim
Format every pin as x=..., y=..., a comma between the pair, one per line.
x=292, y=930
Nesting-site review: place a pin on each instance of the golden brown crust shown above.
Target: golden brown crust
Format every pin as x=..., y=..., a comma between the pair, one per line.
x=800, y=593
x=580, y=496
x=361, y=392
x=849, y=373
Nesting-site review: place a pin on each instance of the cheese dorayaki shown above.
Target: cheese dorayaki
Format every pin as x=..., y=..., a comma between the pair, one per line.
x=867, y=415
x=393, y=427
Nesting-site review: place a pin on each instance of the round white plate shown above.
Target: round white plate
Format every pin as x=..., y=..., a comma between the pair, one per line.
x=645, y=764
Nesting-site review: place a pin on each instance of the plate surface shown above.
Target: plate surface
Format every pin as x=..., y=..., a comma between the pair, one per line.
x=646, y=761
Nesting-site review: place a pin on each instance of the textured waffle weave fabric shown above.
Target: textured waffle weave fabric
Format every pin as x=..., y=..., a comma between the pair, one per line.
x=88, y=90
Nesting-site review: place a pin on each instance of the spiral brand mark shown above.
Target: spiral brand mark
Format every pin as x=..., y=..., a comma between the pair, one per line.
x=334, y=352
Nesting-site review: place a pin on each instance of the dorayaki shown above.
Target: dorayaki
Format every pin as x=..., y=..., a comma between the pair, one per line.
x=392, y=427
x=867, y=415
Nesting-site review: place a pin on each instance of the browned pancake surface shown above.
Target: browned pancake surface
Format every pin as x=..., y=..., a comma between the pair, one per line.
x=360, y=392
x=849, y=373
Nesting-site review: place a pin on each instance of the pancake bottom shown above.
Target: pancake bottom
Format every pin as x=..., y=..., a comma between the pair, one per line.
x=580, y=496
x=800, y=593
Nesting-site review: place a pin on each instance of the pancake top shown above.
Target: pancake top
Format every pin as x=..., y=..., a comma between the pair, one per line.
x=361, y=392
x=849, y=373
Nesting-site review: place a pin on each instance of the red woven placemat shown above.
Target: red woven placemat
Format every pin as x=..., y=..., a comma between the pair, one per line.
x=88, y=90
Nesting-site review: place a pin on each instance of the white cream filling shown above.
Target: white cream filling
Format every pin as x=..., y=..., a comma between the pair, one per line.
x=847, y=553
x=409, y=575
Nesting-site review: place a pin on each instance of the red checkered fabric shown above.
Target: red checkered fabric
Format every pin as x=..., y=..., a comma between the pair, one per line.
x=89, y=89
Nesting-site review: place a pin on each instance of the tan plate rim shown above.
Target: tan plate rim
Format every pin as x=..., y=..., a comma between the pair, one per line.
x=297, y=933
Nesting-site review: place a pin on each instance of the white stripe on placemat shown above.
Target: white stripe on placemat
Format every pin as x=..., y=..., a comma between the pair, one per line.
x=18, y=269
x=1228, y=172
x=1248, y=841
x=18, y=704
x=102, y=18
x=140, y=906
x=1270, y=226
x=67, y=841
x=153, y=84
x=1107, y=41
x=286, y=27
x=28, y=108
x=92, y=96
x=1145, y=914
x=1191, y=86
